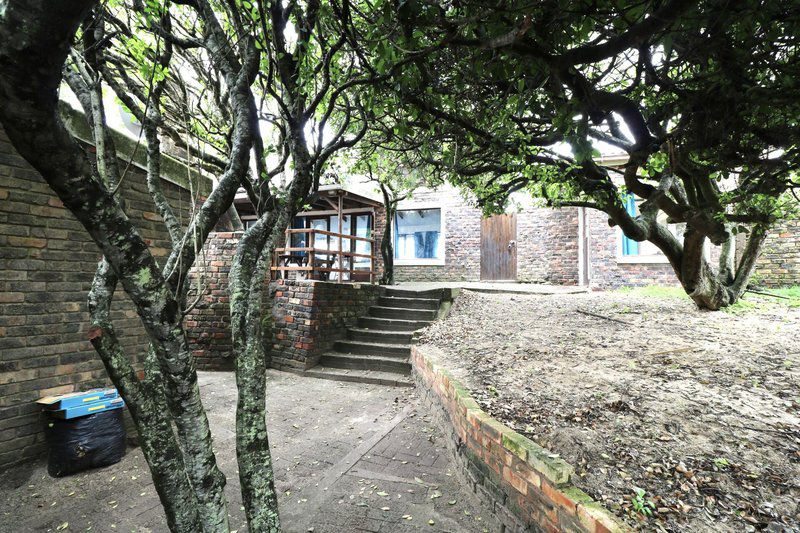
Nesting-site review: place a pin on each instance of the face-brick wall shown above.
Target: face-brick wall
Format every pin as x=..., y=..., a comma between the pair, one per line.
x=462, y=234
x=779, y=263
x=547, y=246
x=47, y=262
x=547, y=241
x=208, y=323
x=607, y=272
x=306, y=317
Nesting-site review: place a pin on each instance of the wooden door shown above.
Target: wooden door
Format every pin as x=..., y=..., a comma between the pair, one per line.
x=499, y=248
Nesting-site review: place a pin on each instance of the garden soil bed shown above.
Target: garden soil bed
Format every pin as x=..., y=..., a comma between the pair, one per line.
x=699, y=410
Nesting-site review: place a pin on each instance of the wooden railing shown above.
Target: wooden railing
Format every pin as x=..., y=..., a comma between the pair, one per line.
x=310, y=262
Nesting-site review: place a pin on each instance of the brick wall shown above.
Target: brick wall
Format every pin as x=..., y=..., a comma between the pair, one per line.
x=547, y=241
x=47, y=262
x=208, y=324
x=547, y=245
x=308, y=316
x=462, y=234
x=606, y=272
x=526, y=486
x=779, y=264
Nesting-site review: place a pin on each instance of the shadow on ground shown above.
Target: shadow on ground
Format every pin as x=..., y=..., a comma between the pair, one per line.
x=348, y=457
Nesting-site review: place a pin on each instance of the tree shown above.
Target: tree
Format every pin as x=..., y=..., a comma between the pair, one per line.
x=36, y=39
x=702, y=98
x=211, y=78
x=397, y=175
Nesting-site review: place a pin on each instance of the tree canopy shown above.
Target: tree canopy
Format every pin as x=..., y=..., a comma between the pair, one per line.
x=701, y=98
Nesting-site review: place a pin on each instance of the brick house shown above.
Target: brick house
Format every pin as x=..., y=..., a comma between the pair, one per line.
x=439, y=235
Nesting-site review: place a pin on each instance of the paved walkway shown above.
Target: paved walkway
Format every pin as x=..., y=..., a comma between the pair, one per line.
x=348, y=457
x=494, y=287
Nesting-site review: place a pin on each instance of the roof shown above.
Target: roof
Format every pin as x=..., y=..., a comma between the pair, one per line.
x=350, y=199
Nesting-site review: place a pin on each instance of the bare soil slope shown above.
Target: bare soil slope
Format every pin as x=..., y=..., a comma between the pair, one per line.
x=700, y=410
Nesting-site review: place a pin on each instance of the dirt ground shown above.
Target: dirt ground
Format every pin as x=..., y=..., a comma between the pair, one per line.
x=675, y=418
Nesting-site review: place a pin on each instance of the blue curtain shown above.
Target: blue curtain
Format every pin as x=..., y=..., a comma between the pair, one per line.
x=629, y=246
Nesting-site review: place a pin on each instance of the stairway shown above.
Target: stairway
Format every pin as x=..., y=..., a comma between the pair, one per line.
x=377, y=350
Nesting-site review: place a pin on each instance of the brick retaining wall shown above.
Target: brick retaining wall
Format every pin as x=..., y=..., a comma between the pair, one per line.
x=528, y=488
x=308, y=316
x=47, y=262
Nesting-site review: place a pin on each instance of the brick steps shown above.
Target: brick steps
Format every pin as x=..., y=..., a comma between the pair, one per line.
x=382, y=340
x=363, y=347
x=391, y=324
x=367, y=362
x=410, y=293
x=382, y=336
x=373, y=377
x=430, y=304
x=402, y=313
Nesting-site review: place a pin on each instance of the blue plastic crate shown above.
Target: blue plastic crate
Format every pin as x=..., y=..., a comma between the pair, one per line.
x=89, y=408
x=74, y=399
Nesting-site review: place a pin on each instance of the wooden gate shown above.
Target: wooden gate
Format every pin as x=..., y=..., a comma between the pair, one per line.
x=499, y=248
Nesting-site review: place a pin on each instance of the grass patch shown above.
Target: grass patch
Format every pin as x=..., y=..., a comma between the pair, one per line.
x=793, y=293
x=743, y=306
x=655, y=291
x=750, y=302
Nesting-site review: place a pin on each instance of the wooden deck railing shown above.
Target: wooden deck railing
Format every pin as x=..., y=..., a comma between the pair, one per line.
x=311, y=262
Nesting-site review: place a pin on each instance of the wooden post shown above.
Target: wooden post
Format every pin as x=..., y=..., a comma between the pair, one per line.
x=372, y=261
x=341, y=226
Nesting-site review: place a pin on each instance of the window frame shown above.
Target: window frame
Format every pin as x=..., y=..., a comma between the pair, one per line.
x=442, y=245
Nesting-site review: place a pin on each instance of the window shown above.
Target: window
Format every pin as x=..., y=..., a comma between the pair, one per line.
x=418, y=236
x=363, y=229
x=645, y=252
x=357, y=225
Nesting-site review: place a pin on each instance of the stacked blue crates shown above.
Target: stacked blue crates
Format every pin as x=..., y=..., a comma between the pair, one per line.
x=78, y=404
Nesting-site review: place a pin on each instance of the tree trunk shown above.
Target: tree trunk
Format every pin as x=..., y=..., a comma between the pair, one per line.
x=387, y=248
x=715, y=290
x=247, y=278
x=35, y=38
x=147, y=408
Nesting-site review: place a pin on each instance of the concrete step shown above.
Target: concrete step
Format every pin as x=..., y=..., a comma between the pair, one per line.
x=391, y=324
x=409, y=303
x=408, y=293
x=373, y=377
x=380, y=336
x=404, y=314
x=366, y=362
x=361, y=347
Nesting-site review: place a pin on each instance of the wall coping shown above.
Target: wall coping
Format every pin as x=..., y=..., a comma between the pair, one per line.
x=323, y=283
x=593, y=516
x=173, y=170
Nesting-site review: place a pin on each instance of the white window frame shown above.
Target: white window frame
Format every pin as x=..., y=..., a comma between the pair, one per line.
x=657, y=259
x=442, y=237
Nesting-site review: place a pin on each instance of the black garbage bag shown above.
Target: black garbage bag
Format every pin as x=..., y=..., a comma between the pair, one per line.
x=85, y=442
